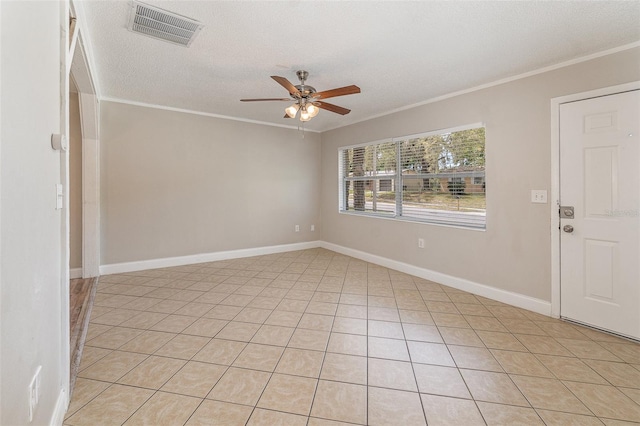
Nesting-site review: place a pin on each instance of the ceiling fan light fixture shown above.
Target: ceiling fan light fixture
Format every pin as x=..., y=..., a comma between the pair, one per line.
x=292, y=110
x=312, y=110
x=304, y=114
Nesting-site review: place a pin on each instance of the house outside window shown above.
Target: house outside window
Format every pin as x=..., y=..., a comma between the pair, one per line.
x=435, y=177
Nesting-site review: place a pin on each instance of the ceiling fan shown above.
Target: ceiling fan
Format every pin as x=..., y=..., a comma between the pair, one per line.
x=306, y=99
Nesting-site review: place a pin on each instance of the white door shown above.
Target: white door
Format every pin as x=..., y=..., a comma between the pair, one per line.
x=600, y=179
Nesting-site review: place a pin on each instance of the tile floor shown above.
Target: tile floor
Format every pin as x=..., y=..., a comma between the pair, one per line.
x=316, y=338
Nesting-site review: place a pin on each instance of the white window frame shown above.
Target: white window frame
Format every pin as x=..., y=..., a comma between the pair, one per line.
x=447, y=220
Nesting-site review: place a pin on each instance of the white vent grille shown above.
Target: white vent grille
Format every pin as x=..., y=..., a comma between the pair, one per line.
x=161, y=24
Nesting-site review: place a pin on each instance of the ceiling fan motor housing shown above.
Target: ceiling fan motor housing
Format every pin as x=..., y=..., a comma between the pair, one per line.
x=305, y=91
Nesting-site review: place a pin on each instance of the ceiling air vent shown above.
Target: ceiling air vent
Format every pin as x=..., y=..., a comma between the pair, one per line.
x=161, y=24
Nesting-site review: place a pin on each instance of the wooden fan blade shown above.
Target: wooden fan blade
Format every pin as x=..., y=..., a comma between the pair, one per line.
x=286, y=84
x=333, y=108
x=266, y=99
x=347, y=90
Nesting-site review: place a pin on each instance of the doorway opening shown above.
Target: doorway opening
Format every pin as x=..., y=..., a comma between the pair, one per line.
x=84, y=196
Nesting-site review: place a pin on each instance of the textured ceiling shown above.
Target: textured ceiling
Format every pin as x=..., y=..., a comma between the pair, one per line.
x=399, y=53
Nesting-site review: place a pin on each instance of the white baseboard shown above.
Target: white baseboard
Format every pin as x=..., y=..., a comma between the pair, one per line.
x=515, y=299
x=119, y=268
x=57, y=418
x=75, y=273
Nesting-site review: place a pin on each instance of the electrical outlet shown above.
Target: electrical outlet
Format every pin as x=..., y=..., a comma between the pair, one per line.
x=421, y=243
x=34, y=392
x=313, y=228
x=297, y=228
x=539, y=196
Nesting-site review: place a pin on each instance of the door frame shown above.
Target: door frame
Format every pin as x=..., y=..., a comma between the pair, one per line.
x=81, y=72
x=75, y=63
x=555, y=179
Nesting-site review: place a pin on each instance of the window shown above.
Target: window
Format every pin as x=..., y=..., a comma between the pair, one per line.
x=436, y=177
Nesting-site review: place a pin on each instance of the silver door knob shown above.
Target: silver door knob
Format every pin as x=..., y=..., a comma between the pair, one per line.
x=567, y=228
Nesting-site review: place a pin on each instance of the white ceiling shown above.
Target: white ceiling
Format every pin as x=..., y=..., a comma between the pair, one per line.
x=399, y=53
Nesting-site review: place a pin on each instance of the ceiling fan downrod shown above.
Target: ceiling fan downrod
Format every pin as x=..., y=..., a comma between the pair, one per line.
x=302, y=75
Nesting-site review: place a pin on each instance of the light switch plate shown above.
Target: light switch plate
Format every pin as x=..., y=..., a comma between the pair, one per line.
x=539, y=196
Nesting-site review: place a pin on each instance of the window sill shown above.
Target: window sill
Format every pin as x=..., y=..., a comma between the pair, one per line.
x=436, y=220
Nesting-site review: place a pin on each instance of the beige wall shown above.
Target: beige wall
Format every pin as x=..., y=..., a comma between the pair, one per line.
x=177, y=184
x=75, y=183
x=514, y=252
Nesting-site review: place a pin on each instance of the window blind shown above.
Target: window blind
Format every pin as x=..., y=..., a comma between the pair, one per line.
x=436, y=177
